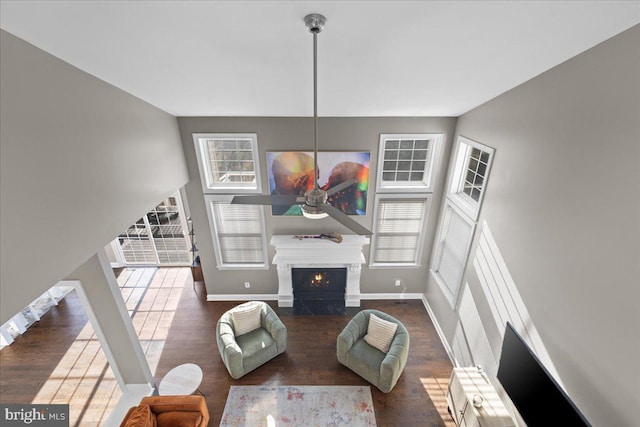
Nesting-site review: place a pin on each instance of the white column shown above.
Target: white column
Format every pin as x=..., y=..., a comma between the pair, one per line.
x=352, y=297
x=98, y=290
x=285, y=290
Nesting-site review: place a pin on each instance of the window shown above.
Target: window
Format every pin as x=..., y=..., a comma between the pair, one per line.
x=398, y=230
x=228, y=162
x=238, y=233
x=452, y=250
x=158, y=238
x=406, y=162
x=470, y=173
x=467, y=182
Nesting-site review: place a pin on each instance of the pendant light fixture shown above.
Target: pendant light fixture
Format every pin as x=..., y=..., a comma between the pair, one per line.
x=315, y=23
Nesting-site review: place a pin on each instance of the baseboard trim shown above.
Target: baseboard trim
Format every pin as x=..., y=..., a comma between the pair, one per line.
x=242, y=297
x=274, y=297
x=439, y=331
x=374, y=296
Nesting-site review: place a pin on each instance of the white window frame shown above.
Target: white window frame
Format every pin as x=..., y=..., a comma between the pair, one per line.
x=451, y=290
x=204, y=165
x=428, y=180
x=459, y=170
x=421, y=237
x=209, y=198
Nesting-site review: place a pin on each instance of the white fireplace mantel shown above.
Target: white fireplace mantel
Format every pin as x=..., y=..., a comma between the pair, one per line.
x=295, y=253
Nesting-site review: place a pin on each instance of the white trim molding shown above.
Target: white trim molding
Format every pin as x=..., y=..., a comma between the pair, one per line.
x=201, y=141
x=391, y=295
x=242, y=297
x=392, y=156
x=439, y=330
x=460, y=169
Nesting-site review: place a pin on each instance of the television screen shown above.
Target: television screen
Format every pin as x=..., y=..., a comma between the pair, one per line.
x=538, y=398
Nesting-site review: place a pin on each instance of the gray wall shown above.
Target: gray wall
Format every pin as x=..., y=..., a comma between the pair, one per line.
x=80, y=161
x=337, y=134
x=563, y=205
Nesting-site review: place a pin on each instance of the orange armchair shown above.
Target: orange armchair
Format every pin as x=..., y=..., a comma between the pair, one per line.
x=168, y=411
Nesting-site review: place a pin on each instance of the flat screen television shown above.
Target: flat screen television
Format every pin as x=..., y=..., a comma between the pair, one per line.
x=538, y=398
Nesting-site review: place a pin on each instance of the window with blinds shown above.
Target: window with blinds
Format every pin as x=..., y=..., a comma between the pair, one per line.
x=238, y=233
x=228, y=162
x=398, y=230
x=452, y=250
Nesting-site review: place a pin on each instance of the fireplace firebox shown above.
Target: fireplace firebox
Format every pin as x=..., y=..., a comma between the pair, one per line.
x=319, y=290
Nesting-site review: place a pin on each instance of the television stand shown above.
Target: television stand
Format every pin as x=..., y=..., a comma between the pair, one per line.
x=468, y=386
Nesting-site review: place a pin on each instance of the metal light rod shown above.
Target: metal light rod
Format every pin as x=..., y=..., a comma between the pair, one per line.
x=315, y=23
x=315, y=110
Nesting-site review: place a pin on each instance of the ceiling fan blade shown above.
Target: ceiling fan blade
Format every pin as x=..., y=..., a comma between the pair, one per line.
x=262, y=199
x=342, y=186
x=344, y=219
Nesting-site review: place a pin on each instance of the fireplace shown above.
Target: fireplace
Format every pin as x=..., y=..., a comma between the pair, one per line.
x=292, y=253
x=319, y=290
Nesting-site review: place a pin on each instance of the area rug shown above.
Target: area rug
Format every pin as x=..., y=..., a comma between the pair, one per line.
x=298, y=406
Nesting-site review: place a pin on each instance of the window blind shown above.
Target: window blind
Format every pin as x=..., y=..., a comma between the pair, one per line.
x=454, y=243
x=398, y=230
x=239, y=232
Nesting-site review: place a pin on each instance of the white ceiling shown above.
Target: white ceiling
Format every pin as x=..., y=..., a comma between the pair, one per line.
x=376, y=58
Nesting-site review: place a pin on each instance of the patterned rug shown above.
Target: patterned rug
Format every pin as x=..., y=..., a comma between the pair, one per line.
x=299, y=406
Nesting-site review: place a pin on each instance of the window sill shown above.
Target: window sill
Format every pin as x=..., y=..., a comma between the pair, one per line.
x=466, y=205
x=392, y=266
x=231, y=190
x=242, y=267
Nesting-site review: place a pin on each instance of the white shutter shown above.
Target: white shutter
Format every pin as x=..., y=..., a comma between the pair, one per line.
x=239, y=234
x=398, y=230
x=455, y=237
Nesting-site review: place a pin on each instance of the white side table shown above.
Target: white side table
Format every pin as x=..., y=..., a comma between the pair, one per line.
x=464, y=385
x=182, y=380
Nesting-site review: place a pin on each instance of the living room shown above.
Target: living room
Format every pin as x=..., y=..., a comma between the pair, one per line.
x=558, y=209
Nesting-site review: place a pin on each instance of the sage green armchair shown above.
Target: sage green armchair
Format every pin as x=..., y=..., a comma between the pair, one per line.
x=380, y=369
x=242, y=354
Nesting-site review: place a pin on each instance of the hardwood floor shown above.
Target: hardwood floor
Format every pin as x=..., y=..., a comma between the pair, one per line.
x=188, y=335
x=59, y=360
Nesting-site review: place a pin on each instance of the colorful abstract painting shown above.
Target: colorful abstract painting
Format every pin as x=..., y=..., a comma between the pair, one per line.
x=291, y=172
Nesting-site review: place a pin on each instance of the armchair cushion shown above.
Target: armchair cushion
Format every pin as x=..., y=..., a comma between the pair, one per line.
x=246, y=318
x=140, y=416
x=258, y=347
x=380, y=333
x=179, y=419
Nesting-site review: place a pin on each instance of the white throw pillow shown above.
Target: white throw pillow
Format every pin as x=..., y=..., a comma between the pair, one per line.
x=380, y=333
x=245, y=318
